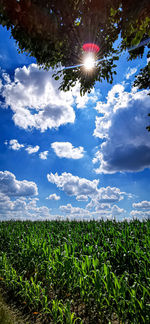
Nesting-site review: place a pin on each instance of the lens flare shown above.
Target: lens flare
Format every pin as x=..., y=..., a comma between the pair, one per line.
x=89, y=62
x=90, y=47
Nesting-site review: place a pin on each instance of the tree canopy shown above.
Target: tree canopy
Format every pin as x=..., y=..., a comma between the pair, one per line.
x=54, y=32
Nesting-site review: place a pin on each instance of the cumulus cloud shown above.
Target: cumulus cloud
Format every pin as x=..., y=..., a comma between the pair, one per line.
x=82, y=198
x=69, y=209
x=142, y=210
x=130, y=72
x=110, y=211
x=36, y=100
x=81, y=102
x=43, y=155
x=26, y=208
x=101, y=199
x=5, y=203
x=78, y=213
x=98, y=206
x=142, y=205
x=23, y=209
x=12, y=187
x=53, y=197
x=110, y=194
x=105, y=197
x=67, y=150
x=139, y=214
x=123, y=126
x=6, y=77
x=116, y=211
x=32, y=149
x=73, y=185
x=14, y=145
x=106, y=212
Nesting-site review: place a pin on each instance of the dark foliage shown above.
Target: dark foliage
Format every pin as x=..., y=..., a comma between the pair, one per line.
x=54, y=32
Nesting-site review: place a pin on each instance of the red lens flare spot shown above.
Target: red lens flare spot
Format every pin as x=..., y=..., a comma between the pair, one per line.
x=90, y=47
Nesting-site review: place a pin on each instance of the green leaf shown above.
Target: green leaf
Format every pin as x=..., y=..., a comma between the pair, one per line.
x=57, y=78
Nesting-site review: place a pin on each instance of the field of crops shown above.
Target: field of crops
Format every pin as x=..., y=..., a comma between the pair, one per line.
x=78, y=272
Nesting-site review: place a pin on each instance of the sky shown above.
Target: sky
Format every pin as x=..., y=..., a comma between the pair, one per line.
x=63, y=156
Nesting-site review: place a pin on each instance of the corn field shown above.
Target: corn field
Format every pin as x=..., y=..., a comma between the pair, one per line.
x=78, y=272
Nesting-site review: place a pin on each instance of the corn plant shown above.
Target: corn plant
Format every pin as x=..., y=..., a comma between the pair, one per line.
x=78, y=272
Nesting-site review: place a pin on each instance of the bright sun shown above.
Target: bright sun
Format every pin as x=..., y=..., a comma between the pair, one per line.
x=89, y=62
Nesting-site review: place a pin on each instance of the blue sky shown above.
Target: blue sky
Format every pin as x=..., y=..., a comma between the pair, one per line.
x=66, y=156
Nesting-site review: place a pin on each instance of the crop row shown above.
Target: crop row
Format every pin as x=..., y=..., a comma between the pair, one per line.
x=78, y=272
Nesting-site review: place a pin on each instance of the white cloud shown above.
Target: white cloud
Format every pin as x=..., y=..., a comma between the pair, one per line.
x=37, y=102
x=81, y=214
x=6, y=77
x=67, y=150
x=82, y=198
x=5, y=203
x=19, y=205
x=123, y=126
x=111, y=211
x=12, y=187
x=142, y=205
x=98, y=157
x=14, y=145
x=105, y=197
x=26, y=208
x=130, y=72
x=102, y=127
x=73, y=185
x=110, y=194
x=23, y=209
x=69, y=209
x=32, y=202
x=116, y=93
x=102, y=198
x=140, y=214
x=81, y=102
x=116, y=211
x=98, y=206
x=53, y=197
x=43, y=155
x=84, y=214
x=32, y=149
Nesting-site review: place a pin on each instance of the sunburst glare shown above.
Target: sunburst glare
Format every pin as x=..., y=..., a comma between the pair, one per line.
x=89, y=62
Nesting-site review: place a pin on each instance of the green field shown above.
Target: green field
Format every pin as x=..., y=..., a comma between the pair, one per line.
x=78, y=272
